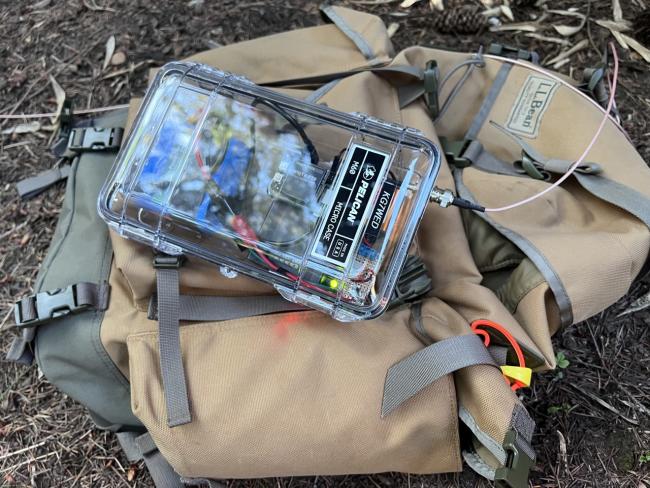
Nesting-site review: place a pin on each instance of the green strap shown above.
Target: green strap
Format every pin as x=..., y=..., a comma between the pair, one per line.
x=212, y=308
x=417, y=371
x=137, y=446
x=171, y=361
x=32, y=186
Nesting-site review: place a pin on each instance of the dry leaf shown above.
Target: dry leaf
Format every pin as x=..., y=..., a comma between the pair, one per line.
x=639, y=48
x=565, y=54
x=392, y=28
x=23, y=128
x=556, y=40
x=59, y=93
x=437, y=4
x=569, y=30
x=620, y=38
x=110, y=49
x=617, y=10
x=621, y=26
x=408, y=3
x=24, y=240
x=505, y=10
x=520, y=26
x=487, y=3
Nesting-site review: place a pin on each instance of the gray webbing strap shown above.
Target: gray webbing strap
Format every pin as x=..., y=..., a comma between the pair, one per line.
x=171, y=360
x=617, y=194
x=354, y=36
x=476, y=154
x=414, y=373
x=212, y=308
x=141, y=446
x=20, y=352
x=32, y=186
x=316, y=95
x=588, y=174
x=488, y=102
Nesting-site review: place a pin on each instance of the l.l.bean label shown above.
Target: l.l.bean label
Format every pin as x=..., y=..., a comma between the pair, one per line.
x=532, y=101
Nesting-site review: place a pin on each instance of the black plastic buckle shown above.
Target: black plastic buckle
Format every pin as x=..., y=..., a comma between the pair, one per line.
x=455, y=151
x=95, y=139
x=165, y=261
x=513, y=52
x=413, y=282
x=517, y=467
x=48, y=305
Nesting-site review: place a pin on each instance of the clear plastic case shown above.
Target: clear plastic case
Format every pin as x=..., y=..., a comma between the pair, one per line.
x=322, y=204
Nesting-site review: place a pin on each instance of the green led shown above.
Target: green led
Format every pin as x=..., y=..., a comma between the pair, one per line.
x=328, y=281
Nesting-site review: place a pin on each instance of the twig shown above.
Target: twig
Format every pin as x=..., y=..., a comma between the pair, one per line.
x=29, y=448
x=15, y=466
x=52, y=114
x=604, y=404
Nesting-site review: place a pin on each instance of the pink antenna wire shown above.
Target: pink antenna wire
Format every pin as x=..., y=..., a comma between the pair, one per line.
x=579, y=161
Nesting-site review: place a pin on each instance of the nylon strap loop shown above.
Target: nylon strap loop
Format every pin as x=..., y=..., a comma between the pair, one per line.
x=169, y=339
x=411, y=375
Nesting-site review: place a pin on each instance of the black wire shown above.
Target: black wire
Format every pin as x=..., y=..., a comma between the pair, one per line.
x=313, y=154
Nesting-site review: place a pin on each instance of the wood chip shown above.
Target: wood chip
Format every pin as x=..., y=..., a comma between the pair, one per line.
x=408, y=3
x=25, y=128
x=118, y=58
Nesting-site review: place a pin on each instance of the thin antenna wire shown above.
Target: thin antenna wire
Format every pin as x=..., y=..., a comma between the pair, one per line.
x=579, y=161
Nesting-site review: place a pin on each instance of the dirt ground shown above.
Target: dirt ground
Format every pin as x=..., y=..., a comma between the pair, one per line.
x=593, y=416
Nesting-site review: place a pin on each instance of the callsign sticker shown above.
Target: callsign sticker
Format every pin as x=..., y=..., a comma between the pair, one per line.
x=340, y=231
x=531, y=103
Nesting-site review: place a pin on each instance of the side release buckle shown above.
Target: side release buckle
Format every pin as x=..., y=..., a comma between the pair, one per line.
x=513, y=52
x=413, y=282
x=84, y=139
x=36, y=309
x=515, y=472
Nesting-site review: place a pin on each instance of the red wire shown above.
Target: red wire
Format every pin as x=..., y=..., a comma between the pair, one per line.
x=242, y=228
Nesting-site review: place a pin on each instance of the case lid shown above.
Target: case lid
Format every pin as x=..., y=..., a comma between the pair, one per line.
x=321, y=203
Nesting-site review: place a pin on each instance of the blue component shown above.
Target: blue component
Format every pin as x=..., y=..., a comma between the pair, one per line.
x=368, y=252
x=233, y=167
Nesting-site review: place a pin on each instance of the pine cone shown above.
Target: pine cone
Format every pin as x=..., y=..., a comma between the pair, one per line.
x=467, y=19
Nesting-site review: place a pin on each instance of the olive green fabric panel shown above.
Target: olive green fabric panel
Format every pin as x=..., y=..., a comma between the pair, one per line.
x=69, y=350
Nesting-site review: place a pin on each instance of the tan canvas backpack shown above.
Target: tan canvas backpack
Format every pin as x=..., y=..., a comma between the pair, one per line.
x=267, y=391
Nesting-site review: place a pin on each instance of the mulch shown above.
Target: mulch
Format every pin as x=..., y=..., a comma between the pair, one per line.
x=593, y=415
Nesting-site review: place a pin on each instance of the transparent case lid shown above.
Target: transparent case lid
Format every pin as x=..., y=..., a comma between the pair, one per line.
x=321, y=203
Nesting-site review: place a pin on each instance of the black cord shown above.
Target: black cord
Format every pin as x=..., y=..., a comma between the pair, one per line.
x=462, y=203
x=313, y=154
